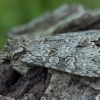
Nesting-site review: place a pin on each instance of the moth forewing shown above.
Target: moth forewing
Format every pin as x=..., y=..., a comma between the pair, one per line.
x=75, y=53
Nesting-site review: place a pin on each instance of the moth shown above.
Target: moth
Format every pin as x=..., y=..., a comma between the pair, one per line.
x=75, y=53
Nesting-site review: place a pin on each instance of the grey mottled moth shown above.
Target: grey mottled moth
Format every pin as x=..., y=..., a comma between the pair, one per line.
x=75, y=53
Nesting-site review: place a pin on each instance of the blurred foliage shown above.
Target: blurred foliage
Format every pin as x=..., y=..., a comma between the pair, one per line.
x=16, y=12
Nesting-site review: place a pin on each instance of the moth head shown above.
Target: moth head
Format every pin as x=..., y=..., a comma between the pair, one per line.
x=5, y=57
x=21, y=69
x=10, y=55
x=5, y=60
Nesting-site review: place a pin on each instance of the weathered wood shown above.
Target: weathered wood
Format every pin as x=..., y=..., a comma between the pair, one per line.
x=12, y=84
x=49, y=22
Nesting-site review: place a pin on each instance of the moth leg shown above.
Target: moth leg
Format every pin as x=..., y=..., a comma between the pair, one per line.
x=21, y=69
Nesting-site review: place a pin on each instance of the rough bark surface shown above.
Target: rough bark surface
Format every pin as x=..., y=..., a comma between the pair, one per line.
x=65, y=86
x=5, y=98
x=48, y=84
x=12, y=84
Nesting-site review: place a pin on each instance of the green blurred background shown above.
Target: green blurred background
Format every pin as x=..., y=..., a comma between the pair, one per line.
x=16, y=12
